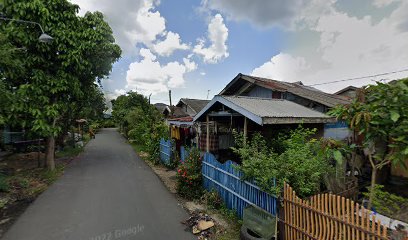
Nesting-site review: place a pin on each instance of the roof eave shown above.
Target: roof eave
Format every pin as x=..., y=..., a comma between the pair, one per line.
x=297, y=120
x=225, y=102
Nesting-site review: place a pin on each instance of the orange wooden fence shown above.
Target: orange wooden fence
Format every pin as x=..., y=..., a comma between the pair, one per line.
x=327, y=216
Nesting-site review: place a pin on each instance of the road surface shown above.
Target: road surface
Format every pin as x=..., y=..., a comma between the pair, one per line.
x=108, y=193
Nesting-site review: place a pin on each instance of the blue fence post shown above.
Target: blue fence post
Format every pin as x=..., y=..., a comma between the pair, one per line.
x=165, y=151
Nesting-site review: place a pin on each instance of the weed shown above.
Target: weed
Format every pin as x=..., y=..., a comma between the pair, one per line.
x=69, y=151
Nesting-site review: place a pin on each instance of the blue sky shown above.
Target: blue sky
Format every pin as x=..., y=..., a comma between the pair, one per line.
x=191, y=47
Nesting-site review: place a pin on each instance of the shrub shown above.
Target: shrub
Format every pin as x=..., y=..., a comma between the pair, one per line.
x=189, y=178
x=389, y=204
x=300, y=163
x=212, y=199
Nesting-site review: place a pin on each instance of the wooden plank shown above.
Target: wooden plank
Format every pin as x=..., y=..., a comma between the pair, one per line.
x=312, y=217
x=353, y=223
x=373, y=222
x=343, y=216
x=358, y=221
x=286, y=209
x=291, y=235
x=330, y=212
x=363, y=221
x=378, y=228
x=348, y=215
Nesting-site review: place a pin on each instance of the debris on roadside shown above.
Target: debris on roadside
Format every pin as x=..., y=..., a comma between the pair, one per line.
x=201, y=224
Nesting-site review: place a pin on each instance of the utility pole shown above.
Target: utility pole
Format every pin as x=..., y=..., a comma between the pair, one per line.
x=208, y=93
x=170, y=97
x=149, y=97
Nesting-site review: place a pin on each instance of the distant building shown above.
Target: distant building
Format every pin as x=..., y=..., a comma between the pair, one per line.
x=350, y=92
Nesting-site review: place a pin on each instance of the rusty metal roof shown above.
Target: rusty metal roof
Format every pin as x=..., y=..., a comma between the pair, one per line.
x=313, y=94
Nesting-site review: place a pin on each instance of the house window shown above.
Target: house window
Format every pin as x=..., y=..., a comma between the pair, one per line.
x=276, y=95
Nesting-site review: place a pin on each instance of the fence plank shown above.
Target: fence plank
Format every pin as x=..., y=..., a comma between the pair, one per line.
x=237, y=194
x=327, y=216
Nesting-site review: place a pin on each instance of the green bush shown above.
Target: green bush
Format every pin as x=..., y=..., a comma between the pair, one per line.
x=189, y=178
x=212, y=199
x=389, y=204
x=300, y=162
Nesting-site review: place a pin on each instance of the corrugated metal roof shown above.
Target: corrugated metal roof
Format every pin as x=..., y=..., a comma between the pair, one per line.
x=271, y=108
x=267, y=110
x=195, y=104
x=313, y=94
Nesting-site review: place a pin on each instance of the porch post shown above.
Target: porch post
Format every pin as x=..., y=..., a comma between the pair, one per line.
x=208, y=134
x=245, y=129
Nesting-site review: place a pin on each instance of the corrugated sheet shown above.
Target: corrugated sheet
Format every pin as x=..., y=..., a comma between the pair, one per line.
x=313, y=94
x=195, y=104
x=274, y=108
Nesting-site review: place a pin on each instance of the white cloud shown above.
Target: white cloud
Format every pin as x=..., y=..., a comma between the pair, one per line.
x=149, y=76
x=217, y=35
x=171, y=43
x=282, y=67
x=348, y=47
x=132, y=21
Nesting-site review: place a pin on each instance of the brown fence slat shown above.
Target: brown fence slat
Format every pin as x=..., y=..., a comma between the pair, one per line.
x=327, y=216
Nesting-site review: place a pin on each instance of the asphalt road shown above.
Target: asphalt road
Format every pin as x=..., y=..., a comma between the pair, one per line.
x=108, y=193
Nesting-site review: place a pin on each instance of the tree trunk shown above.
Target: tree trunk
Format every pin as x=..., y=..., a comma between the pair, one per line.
x=373, y=178
x=50, y=153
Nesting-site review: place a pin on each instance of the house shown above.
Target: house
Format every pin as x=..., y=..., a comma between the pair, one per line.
x=251, y=104
x=244, y=85
x=192, y=106
x=249, y=115
x=160, y=106
x=350, y=92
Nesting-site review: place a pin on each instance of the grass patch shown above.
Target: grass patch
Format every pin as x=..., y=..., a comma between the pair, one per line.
x=69, y=151
x=141, y=150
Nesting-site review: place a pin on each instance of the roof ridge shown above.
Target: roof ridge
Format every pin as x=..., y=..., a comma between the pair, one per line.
x=248, y=97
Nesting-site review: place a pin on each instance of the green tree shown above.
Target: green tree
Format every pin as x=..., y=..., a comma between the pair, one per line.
x=58, y=73
x=380, y=117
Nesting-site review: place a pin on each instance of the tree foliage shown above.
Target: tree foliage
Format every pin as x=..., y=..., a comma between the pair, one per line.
x=56, y=75
x=380, y=118
x=140, y=121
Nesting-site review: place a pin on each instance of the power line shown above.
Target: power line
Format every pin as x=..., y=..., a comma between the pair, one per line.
x=356, y=78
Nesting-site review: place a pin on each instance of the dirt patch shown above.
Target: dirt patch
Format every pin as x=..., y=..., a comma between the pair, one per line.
x=167, y=176
x=21, y=182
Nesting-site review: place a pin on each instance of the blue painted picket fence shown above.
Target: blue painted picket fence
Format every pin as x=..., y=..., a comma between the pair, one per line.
x=183, y=153
x=237, y=194
x=165, y=151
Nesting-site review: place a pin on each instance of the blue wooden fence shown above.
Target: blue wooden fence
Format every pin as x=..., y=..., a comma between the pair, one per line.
x=183, y=153
x=165, y=151
x=237, y=194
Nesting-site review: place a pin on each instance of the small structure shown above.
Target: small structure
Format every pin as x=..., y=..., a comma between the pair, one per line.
x=192, y=106
x=180, y=119
x=249, y=115
x=350, y=92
